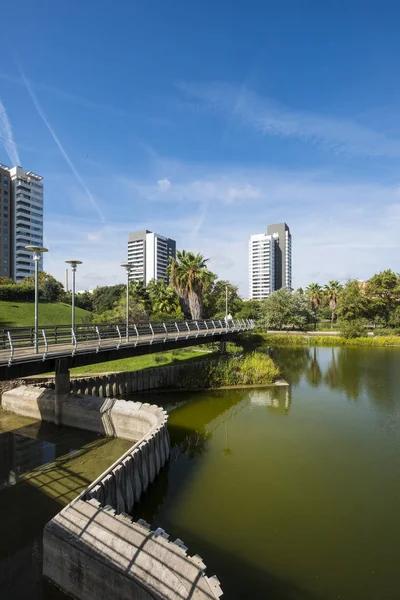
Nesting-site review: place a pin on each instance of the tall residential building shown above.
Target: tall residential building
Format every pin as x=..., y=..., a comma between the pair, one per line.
x=5, y=227
x=25, y=220
x=149, y=254
x=283, y=254
x=261, y=266
x=270, y=261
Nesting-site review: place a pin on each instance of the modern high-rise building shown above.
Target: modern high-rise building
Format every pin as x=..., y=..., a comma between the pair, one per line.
x=24, y=220
x=5, y=227
x=283, y=254
x=149, y=254
x=270, y=261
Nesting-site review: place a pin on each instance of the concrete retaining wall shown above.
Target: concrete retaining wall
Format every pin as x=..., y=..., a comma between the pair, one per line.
x=123, y=383
x=92, y=549
x=95, y=554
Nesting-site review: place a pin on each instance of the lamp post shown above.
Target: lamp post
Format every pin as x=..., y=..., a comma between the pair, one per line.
x=74, y=264
x=226, y=303
x=37, y=251
x=128, y=267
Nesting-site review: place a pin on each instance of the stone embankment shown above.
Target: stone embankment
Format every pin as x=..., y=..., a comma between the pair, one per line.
x=109, y=385
x=92, y=548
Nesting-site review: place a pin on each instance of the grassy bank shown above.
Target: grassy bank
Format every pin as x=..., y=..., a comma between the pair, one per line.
x=136, y=363
x=275, y=339
x=253, y=368
x=21, y=314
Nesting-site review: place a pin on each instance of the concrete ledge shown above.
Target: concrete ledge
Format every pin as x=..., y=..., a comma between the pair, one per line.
x=91, y=549
x=95, y=554
x=116, y=418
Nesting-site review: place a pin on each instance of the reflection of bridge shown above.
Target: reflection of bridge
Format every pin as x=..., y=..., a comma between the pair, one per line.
x=61, y=348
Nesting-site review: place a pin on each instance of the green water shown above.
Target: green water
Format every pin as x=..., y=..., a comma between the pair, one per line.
x=291, y=493
x=42, y=468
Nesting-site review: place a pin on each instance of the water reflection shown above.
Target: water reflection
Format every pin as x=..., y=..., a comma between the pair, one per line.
x=357, y=372
x=20, y=454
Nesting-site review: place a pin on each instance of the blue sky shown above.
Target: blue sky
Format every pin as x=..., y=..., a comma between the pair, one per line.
x=205, y=122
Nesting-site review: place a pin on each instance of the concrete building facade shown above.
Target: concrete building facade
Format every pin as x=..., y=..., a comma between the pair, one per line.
x=261, y=266
x=283, y=254
x=270, y=261
x=24, y=224
x=149, y=254
x=5, y=224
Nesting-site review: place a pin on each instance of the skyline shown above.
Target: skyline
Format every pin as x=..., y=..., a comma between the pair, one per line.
x=210, y=133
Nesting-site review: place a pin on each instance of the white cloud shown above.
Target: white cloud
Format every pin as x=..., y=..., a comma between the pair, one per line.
x=245, y=192
x=164, y=184
x=269, y=117
x=93, y=237
x=6, y=134
x=340, y=228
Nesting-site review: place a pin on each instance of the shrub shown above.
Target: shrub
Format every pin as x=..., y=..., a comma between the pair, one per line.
x=382, y=332
x=160, y=359
x=352, y=329
x=255, y=368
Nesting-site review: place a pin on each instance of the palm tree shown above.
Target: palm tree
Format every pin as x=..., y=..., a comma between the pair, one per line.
x=163, y=298
x=314, y=291
x=332, y=290
x=190, y=277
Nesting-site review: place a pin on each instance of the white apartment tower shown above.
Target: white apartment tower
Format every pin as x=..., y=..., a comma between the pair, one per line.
x=149, y=254
x=261, y=266
x=270, y=261
x=25, y=220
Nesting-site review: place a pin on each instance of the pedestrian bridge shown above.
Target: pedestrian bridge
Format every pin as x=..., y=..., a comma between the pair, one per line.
x=21, y=354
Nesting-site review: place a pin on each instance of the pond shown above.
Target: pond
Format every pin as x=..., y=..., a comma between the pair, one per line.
x=42, y=468
x=291, y=493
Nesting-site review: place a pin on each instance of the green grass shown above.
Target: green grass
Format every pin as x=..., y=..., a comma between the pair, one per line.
x=21, y=314
x=327, y=340
x=159, y=359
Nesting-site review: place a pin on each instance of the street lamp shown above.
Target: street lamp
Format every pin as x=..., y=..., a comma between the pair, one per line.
x=74, y=264
x=226, y=302
x=37, y=251
x=128, y=267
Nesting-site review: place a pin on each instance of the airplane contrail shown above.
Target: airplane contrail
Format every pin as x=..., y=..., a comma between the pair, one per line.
x=60, y=146
x=6, y=134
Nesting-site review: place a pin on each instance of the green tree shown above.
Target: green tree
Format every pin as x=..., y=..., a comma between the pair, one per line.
x=163, y=298
x=105, y=297
x=284, y=307
x=250, y=310
x=352, y=302
x=215, y=299
x=117, y=314
x=383, y=294
x=331, y=291
x=140, y=295
x=314, y=292
x=191, y=279
x=51, y=290
x=84, y=300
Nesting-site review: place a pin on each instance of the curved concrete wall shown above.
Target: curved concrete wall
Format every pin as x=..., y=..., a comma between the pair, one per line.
x=92, y=549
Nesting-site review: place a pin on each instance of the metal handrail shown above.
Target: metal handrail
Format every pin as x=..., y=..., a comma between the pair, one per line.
x=61, y=340
x=99, y=338
x=46, y=345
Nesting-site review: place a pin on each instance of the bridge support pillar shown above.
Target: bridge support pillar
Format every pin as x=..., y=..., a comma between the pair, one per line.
x=222, y=346
x=62, y=387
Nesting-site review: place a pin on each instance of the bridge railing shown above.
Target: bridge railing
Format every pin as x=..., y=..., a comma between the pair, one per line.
x=19, y=344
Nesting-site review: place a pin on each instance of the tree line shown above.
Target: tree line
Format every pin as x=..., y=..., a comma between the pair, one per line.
x=351, y=306
x=195, y=292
